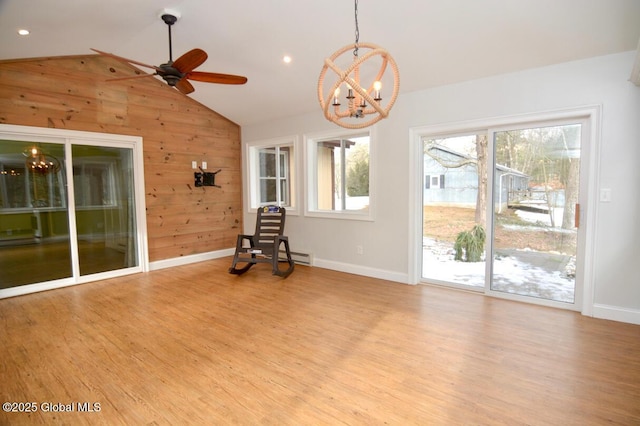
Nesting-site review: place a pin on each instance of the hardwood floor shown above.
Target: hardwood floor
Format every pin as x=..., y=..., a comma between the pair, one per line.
x=195, y=345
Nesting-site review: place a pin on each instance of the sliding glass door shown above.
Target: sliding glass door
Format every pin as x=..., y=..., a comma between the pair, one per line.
x=71, y=209
x=501, y=209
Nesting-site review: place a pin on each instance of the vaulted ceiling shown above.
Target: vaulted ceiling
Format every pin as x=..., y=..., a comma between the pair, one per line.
x=434, y=42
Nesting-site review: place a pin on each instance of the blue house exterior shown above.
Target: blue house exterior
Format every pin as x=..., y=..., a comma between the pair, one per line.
x=458, y=186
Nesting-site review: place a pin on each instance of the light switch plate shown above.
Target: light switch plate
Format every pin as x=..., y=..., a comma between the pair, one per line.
x=605, y=195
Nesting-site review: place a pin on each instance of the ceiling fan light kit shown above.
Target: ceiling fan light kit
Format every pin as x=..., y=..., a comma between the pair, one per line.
x=178, y=73
x=363, y=106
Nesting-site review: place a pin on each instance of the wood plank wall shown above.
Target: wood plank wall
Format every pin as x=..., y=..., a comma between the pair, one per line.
x=71, y=93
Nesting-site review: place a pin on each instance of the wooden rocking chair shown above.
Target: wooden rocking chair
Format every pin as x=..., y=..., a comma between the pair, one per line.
x=264, y=245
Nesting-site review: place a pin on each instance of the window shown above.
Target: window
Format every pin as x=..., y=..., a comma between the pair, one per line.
x=271, y=173
x=339, y=175
x=434, y=182
x=274, y=176
x=94, y=184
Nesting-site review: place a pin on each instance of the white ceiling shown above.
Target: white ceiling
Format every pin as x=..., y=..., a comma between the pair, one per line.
x=434, y=42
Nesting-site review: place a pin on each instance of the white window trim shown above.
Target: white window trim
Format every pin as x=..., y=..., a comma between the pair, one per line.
x=310, y=183
x=252, y=189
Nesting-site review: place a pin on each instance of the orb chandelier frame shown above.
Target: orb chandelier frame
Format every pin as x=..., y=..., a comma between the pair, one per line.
x=363, y=106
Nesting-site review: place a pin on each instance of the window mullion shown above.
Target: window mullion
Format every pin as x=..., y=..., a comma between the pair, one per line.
x=277, y=177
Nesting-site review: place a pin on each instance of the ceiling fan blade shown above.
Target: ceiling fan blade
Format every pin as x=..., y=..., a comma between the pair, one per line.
x=211, y=77
x=190, y=60
x=184, y=86
x=127, y=60
x=130, y=77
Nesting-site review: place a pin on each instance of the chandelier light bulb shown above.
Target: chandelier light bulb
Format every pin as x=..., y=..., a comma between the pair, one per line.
x=336, y=94
x=40, y=162
x=377, y=85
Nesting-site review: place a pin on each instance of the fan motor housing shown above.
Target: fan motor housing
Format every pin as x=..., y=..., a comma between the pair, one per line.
x=170, y=74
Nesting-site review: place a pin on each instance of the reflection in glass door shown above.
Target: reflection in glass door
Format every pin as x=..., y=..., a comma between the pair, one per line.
x=536, y=184
x=105, y=208
x=34, y=230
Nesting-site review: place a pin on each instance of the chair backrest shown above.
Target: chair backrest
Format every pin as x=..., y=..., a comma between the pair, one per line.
x=269, y=225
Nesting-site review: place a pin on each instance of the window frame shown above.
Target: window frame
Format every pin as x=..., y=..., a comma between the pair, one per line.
x=253, y=178
x=311, y=182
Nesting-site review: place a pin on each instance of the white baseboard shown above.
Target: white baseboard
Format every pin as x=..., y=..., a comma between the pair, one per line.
x=185, y=260
x=616, y=313
x=362, y=270
x=320, y=263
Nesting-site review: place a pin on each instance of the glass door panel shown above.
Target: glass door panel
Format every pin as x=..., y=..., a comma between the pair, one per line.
x=105, y=208
x=34, y=227
x=536, y=183
x=454, y=209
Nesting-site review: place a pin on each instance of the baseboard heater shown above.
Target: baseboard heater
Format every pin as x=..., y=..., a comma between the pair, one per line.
x=299, y=257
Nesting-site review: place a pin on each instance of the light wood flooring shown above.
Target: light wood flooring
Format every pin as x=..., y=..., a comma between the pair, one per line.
x=195, y=345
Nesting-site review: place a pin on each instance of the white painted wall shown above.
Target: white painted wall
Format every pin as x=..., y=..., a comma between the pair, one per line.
x=597, y=81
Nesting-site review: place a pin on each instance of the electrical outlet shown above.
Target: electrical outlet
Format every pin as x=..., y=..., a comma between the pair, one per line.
x=204, y=165
x=359, y=249
x=194, y=164
x=605, y=195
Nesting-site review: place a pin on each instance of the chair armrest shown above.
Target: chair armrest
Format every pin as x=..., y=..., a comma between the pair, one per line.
x=241, y=238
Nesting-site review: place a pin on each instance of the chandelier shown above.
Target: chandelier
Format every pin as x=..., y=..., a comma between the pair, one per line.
x=40, y=162
x=361, y=80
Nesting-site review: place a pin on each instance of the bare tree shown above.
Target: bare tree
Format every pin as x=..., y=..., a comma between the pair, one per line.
x=546, y=154
x=571, y=179
x=480, y=163
x=481, y=199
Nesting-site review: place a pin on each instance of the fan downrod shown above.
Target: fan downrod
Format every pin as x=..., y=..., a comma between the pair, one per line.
x=170, y=19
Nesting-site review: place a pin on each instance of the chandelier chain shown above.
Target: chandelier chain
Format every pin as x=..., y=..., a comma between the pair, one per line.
x=355, y=50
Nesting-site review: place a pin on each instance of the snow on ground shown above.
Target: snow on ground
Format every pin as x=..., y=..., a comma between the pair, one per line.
x=523, y=272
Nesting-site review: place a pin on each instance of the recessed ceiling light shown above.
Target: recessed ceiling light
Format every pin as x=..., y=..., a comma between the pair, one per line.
x=286, y=59
x=23, y=32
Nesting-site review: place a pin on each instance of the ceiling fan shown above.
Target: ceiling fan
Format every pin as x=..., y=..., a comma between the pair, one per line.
x=178, y=73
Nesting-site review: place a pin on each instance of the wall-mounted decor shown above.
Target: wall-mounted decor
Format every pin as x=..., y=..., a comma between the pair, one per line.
x=203, y=178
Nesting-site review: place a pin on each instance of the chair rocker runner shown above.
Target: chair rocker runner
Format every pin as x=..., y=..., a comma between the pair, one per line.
x=264, y=245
